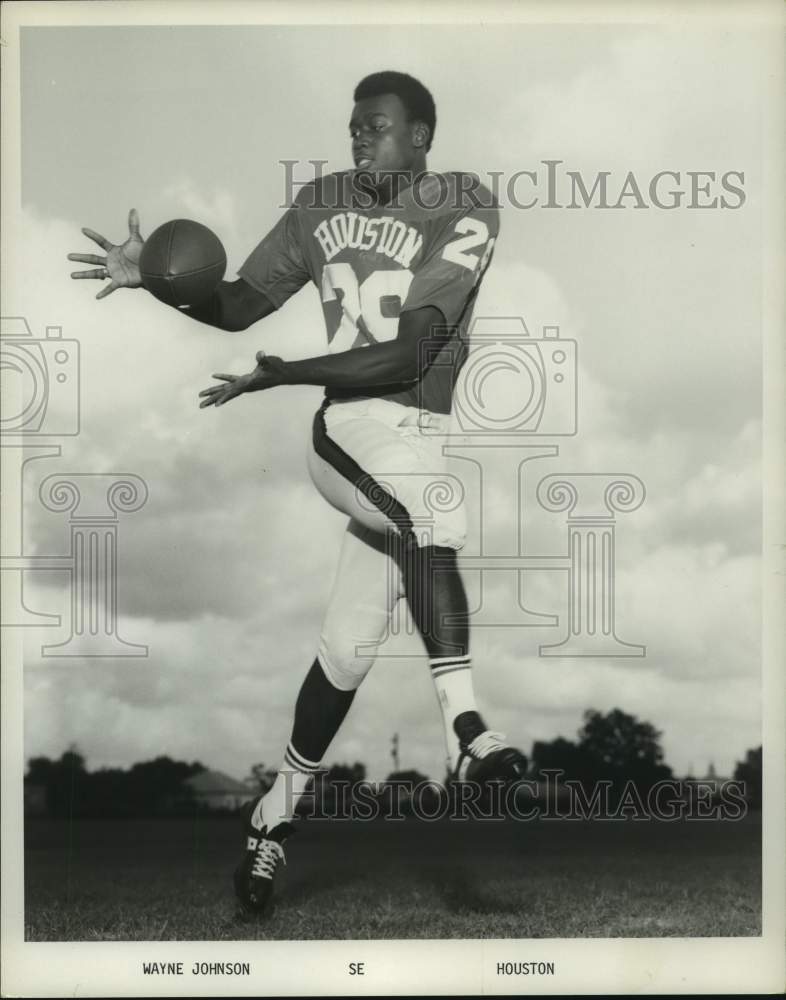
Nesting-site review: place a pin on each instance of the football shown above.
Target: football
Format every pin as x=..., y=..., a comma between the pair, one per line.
x=182, y=262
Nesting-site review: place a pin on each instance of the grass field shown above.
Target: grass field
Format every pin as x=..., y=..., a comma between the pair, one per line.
x=171, y=880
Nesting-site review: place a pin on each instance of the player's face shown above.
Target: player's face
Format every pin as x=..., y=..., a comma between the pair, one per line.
x=382, y=138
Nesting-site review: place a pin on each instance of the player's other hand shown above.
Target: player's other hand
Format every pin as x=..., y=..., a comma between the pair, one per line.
x=269, y=372
x=121, y=264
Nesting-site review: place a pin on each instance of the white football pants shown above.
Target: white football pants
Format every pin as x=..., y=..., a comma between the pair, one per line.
x=380, y=463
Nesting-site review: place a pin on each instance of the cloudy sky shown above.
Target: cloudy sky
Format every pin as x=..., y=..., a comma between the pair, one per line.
x=225, y=572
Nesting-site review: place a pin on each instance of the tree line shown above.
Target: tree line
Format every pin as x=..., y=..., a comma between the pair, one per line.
x=151, y=788
x=616, y=748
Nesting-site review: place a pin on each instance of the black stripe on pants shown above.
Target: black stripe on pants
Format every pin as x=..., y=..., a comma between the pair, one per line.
x=347, y=467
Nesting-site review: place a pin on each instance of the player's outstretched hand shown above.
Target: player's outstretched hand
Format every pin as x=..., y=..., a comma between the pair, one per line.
x=268, y=373
x=121, y=264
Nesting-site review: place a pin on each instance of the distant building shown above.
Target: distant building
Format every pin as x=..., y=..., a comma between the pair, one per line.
x=215, y=790
x=708, y=788
x=711, y=775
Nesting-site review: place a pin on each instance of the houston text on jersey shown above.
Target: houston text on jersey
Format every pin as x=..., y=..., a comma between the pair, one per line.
x=386, y=235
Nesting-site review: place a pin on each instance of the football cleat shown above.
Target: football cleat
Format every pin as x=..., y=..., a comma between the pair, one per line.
x=255, y=875
x=485, y=756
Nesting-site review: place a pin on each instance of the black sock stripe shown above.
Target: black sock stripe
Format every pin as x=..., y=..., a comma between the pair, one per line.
x=439, y=671
x=347, y=467
x=291, y=756
x=295, y=766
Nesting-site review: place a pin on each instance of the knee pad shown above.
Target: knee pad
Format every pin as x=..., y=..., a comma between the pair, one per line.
x=346, y=651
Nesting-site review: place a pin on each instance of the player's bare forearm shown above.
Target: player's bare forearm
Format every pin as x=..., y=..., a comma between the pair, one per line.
x=379, y=364
x=234, y=306
x=390, y=363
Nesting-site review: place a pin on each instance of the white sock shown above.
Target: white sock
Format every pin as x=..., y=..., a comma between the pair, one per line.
x=452, y=676
x=279, y=803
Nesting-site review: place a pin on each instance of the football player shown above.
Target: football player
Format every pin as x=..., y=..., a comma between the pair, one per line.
x=398, y=254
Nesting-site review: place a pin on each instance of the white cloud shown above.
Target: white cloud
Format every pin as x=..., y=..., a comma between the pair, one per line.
x=217, y=209
x=648, y=100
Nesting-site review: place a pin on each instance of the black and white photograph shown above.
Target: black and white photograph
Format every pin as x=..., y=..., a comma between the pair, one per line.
x=392, y=452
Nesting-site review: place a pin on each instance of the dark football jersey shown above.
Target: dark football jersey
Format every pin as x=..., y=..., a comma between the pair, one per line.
x=429, y=247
